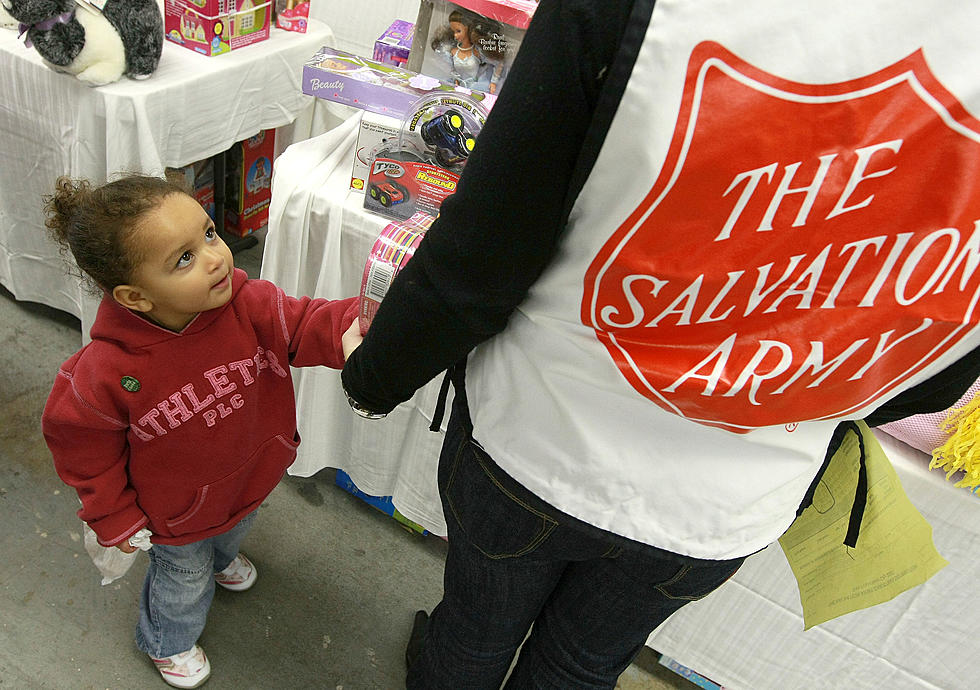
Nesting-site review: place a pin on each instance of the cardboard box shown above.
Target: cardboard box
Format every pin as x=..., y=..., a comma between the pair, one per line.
x=292, y=15
x=421, y=168
x=199, y=179
x=248, y=186
x=336, y=75
x=214, y=27
x=376, y=134
x=382, y=503
x=516, y=13
x=693, y=676
x=395, y=44
x=400, y=186
x=470, y=43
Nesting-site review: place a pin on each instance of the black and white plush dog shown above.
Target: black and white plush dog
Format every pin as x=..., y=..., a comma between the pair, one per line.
x=6, y=21
x=126, y=37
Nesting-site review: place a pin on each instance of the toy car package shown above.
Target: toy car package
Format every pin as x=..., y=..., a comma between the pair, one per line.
x=400, y=187
x=374, y=136
x=417, y=171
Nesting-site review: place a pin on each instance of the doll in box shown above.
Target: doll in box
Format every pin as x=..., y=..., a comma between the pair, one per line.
x=475, y=49
x=355, y=67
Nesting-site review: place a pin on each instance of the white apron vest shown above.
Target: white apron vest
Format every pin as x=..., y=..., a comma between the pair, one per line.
x=780, y=232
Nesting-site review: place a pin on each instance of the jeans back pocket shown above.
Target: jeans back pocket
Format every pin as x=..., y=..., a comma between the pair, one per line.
x=696, y=581
x=495, y=521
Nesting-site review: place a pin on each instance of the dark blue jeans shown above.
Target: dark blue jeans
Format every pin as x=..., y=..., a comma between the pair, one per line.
x=590, y=598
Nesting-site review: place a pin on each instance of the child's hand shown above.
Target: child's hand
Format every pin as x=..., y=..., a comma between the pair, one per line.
x=126, y=547
x=351, y=338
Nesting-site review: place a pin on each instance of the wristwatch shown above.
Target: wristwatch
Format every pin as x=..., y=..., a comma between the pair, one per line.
x=362, y=411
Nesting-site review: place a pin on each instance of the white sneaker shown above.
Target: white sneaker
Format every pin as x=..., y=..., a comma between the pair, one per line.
x=185, y=670
x=238, y=576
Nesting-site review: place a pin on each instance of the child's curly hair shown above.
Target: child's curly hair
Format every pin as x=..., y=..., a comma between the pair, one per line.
x=97, y=224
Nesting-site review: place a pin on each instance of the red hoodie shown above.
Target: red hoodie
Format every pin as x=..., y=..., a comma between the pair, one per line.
x=186, y=433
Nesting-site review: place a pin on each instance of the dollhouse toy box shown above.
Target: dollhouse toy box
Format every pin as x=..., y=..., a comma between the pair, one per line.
x=336, y=75
x=214, y=27
x=248, y=186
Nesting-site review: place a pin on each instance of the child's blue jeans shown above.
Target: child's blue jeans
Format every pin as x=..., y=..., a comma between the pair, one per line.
x=514, y=561
x=179, y=587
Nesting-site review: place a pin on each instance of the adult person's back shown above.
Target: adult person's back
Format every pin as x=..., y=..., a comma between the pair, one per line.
x=692, y=241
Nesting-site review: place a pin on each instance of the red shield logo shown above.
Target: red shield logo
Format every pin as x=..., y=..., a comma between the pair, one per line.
x=805, y=250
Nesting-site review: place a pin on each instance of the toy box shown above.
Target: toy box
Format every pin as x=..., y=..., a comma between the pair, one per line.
x=336, y=75
x=292, y=15
x=400, y=187
x=375, y=136
x=470, y=43
x=382, y=503
x=214, y=27
x=690, y=674
x=395, y=44
x=199, y=179
x=248, y=186
x=421, y=168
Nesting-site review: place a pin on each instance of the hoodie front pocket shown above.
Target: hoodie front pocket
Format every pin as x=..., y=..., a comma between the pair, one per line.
x=215, y=503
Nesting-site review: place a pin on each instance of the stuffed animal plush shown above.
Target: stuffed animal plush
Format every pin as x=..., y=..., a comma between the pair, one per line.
x=126, y=37
x=6, y=21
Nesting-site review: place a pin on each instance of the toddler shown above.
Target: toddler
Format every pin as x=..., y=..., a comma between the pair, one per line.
x=179, y=416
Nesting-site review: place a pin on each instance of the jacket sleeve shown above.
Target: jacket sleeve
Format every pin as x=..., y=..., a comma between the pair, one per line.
x=501, y=228
x=935, y=394
x=313, y=328
x=91, y=452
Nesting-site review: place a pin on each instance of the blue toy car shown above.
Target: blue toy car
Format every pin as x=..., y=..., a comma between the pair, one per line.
x=447, y=134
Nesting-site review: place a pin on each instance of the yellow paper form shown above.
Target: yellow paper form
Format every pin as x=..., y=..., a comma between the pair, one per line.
x=894, y=549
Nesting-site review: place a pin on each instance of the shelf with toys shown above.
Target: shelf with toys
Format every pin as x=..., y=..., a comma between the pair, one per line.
x=458, y=55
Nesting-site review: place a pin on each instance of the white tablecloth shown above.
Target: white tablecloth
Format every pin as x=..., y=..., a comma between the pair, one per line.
x=749, y=634
x=192, y=107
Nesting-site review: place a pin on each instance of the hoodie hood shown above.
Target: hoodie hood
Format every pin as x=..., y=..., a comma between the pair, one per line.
x=115, y=323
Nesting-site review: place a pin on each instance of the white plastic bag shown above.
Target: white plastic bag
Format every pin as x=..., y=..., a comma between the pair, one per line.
x=110, y=561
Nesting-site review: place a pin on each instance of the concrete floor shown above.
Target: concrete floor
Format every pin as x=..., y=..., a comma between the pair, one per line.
x=338, y=581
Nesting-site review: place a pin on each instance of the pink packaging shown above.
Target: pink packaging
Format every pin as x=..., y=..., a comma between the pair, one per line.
x=293, y=15
x=391, y=251
x=513, y=12
x=215, y=27
x=925, y=431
